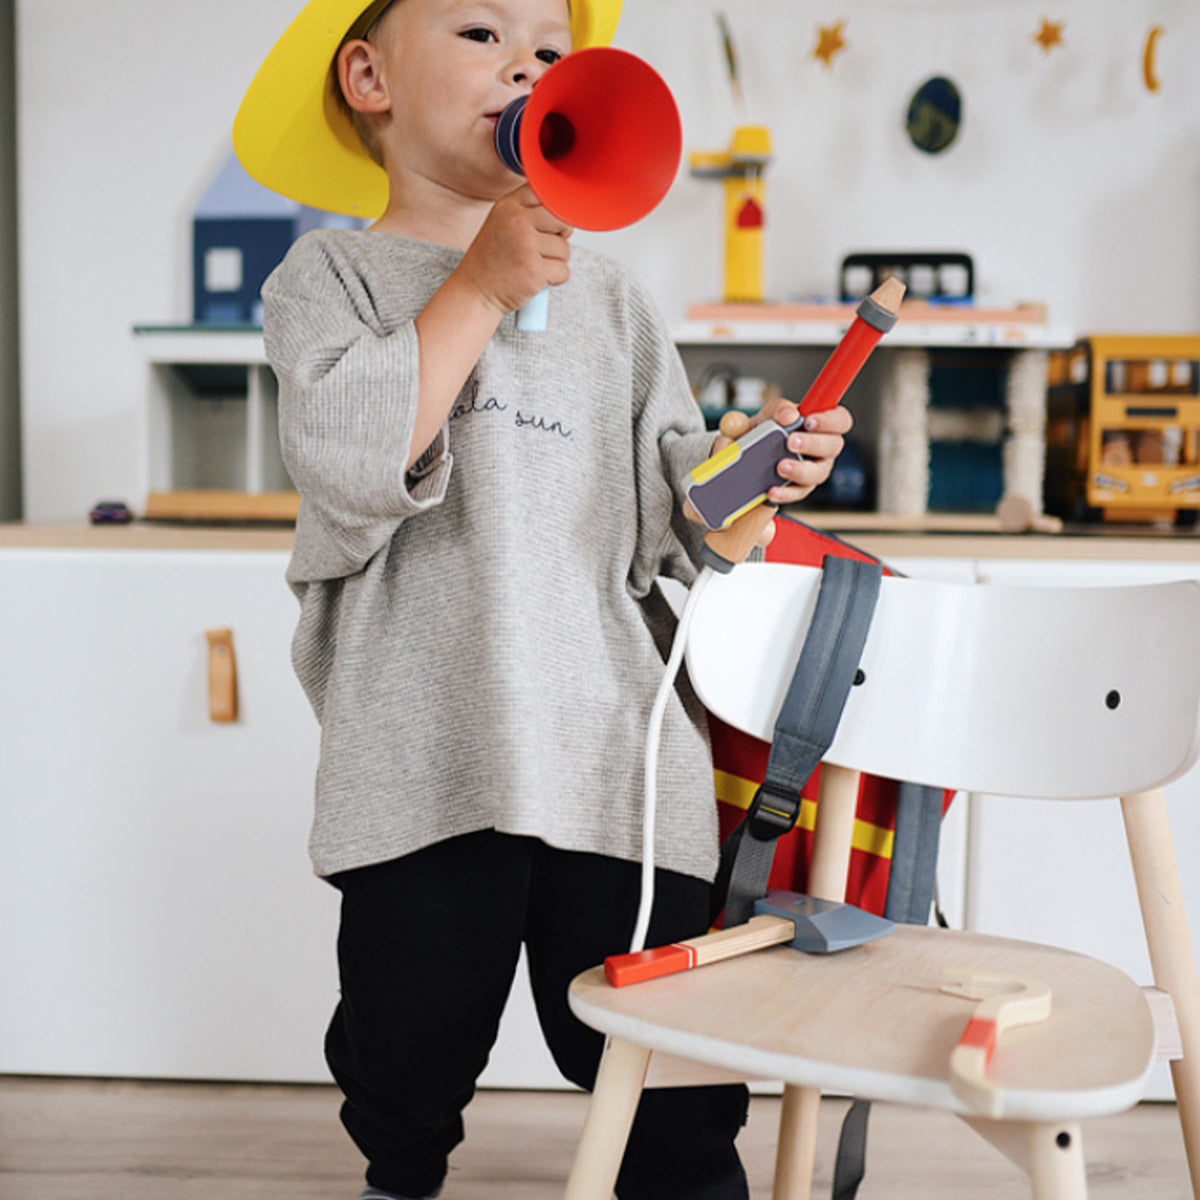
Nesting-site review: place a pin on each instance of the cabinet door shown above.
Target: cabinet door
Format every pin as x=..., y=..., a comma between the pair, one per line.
x=160, y=917
x=159, y=914
x=1059, y=871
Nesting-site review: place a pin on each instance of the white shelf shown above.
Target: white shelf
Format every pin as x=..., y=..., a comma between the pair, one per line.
x=178, y=344
x=1013, y=335
x=212, y=415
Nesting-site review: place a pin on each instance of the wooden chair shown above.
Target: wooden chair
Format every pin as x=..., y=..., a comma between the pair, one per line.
x=1036, y=692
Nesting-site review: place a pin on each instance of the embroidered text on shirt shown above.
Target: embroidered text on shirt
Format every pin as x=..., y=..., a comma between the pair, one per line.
x=470, y=403
x=539, y=423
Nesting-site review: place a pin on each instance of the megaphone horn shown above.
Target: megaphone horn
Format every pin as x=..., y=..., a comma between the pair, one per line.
x=599, y=138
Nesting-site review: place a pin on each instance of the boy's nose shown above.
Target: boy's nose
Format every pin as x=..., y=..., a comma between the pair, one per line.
x=525, y=68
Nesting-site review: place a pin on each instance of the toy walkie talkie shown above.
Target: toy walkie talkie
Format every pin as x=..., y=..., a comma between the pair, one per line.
x=734, y=480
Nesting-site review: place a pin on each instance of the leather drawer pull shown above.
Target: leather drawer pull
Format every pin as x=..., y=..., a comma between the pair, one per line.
x=222, y=676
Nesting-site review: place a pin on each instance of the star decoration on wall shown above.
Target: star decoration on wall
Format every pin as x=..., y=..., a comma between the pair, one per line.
x=1050, y=35
x=829, y=42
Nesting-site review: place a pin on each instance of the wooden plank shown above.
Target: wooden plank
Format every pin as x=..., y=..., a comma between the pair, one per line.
x=222, y=506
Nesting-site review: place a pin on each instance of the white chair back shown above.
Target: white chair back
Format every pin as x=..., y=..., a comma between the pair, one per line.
x=1036, y=692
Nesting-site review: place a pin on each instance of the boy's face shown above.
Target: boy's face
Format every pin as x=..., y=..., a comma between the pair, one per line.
x=449, y=68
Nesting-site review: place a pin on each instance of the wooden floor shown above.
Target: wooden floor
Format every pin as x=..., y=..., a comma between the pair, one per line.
x=111, y=1140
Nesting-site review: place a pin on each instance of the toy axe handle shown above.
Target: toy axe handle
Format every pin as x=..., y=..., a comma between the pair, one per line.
x=756, y=934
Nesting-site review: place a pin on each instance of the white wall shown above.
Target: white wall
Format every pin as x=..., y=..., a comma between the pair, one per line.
x=1070, y=183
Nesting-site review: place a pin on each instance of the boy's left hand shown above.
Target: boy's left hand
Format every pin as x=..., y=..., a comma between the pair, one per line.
x=819, y=443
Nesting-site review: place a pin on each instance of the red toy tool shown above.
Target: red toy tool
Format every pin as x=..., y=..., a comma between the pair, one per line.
x=739, y=477
x=805, y=922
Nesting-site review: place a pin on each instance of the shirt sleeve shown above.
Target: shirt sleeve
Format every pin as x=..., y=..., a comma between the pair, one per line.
x=347, y=408
x=669, y=440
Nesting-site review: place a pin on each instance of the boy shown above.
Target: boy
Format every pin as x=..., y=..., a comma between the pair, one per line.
x=484, y=514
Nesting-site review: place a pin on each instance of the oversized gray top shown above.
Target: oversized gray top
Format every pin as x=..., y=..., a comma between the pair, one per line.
x=482, y=637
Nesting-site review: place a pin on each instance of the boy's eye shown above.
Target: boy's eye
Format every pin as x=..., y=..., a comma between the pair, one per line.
x=549, y=56
x=479, y=35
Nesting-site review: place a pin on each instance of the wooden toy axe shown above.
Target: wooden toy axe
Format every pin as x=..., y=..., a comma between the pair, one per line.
x=812, y=925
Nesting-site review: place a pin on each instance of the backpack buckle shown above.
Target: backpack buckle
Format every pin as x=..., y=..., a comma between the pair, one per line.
x=773, y=812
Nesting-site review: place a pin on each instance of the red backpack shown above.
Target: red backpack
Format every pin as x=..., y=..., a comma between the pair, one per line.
x=739, y=763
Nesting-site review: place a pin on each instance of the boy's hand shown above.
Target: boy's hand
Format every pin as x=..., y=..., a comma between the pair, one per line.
x=521, y=249
x=820, y=442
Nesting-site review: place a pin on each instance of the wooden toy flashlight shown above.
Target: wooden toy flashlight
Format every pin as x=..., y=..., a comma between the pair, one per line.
x=736, y=479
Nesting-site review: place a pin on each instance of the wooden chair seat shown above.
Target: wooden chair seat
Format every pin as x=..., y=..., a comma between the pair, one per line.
x=874, y=1022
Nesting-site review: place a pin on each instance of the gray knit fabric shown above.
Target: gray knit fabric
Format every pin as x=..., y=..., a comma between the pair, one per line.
x=481, y=638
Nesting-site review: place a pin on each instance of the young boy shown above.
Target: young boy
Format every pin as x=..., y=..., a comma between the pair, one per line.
x=484, y=513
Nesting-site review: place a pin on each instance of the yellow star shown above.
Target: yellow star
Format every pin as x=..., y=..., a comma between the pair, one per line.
x=829, y=42
x=1050, y=35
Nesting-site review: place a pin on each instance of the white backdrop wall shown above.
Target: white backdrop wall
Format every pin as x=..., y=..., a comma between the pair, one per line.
x=1070, y=182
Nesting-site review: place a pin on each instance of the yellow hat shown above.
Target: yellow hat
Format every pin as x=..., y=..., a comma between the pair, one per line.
x=293, y=136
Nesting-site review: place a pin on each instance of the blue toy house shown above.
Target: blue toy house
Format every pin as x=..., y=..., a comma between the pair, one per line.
x=240, y=232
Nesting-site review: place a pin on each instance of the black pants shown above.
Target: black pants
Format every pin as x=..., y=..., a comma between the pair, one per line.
x=428, y=949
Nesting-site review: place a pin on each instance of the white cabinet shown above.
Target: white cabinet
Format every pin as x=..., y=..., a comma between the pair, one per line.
x=159, y=914
x=160, y=917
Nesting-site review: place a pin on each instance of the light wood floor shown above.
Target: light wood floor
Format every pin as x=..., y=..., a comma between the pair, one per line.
x=112, y=1140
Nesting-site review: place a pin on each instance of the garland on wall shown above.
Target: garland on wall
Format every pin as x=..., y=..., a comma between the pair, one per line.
x=935, y=109
x=831, y=41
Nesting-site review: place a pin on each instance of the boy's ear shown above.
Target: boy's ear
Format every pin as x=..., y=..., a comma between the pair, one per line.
x=361, y=79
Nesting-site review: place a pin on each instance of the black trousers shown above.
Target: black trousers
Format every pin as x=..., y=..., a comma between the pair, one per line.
x=428, y=948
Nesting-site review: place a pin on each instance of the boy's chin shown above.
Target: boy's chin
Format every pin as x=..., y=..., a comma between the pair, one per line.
x=489, y=186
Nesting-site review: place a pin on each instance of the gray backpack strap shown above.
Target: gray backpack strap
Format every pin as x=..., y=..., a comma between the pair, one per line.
x=851, y=1163
x=913, y=873
x=804, y=729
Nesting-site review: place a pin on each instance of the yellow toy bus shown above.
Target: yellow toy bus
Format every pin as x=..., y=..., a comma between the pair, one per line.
x=1123, y=432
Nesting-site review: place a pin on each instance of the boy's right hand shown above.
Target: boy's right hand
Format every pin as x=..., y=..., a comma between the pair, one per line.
x=521, y=249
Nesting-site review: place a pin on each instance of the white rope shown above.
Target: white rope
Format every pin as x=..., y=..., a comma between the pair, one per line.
x=653, y=736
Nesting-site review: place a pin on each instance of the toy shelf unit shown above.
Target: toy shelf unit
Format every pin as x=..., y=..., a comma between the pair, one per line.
x=951, y=387
x=1124, y=428
x=212, y=424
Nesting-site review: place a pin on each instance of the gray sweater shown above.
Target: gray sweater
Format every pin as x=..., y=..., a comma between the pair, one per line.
x=482, y=637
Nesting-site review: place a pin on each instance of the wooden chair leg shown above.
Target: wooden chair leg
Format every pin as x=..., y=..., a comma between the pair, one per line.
x=796, y=1152
x=1056, y=1162
x=1050, y=1154
x=833, y=832
x=610, y=1116
x=1172, y=958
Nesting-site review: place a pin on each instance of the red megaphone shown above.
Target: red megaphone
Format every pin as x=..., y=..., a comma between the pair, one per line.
x=598, y=138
